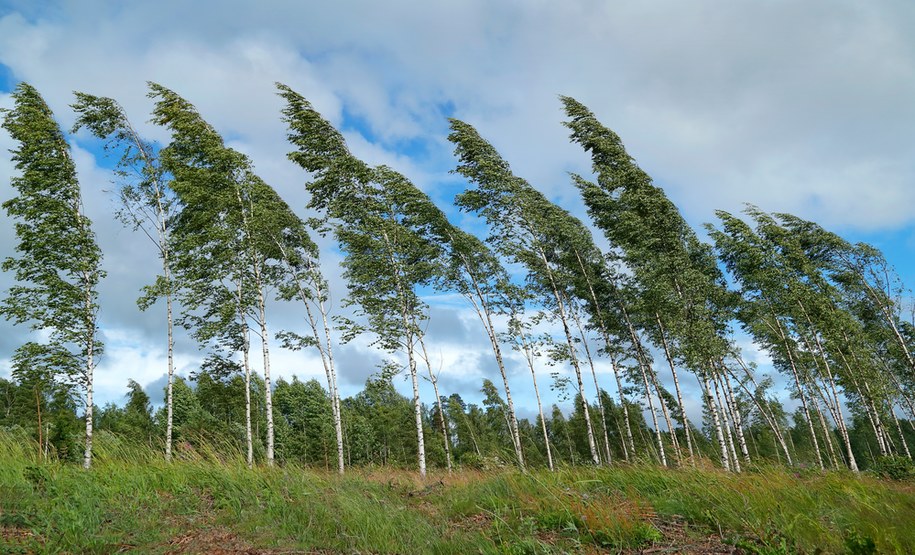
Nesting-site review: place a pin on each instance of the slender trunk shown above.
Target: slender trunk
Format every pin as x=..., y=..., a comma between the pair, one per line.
x=600, y=402
x=770, y=419
x=407, y=319
x=684, y=420
x=843, y=431
x=800, y=391
x=827, y=437
x=572, y=352
x=645, y=368
x=654, y=417
x=905, y=444
x=729, y=435
x=710, y=401
x=417, y=412
x=90, y=366
x=247, y=367
x=670, y=425
x=891, y=320
x=438, y=402
x=265, y=352
x=322, y=343
x=616, y=374
x=529, y=356
x=171, y=375
x=484, y=313
x=738, y=418
x=40, y=431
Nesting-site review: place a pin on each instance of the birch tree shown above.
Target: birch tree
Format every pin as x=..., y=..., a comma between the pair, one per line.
x=146, y=204
x=685, y=306
x=58, y=262
x=369, y=210
x=224, y=240
x=524, y=227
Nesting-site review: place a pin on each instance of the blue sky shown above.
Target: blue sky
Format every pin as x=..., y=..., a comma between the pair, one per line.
x=797, y=107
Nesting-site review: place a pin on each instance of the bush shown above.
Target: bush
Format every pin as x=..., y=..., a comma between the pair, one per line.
x=894, y=467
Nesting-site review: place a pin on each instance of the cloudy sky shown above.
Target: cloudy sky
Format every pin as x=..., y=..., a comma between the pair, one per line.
x=805, y=107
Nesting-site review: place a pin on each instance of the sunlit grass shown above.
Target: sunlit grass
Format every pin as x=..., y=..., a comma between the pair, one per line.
x=133, y=500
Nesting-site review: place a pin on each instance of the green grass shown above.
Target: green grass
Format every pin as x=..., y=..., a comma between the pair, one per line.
x=133, y=501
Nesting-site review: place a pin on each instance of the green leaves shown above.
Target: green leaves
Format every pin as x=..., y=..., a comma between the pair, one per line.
x=57, y=263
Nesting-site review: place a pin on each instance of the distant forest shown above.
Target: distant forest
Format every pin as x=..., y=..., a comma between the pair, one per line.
x=658, y=305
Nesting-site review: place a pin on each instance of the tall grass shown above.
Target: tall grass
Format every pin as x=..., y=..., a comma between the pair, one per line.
x=132, y=500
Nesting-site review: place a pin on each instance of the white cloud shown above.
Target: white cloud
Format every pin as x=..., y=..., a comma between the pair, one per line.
x=795, y=107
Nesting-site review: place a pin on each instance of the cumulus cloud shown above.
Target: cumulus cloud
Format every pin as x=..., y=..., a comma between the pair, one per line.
x=804, y=108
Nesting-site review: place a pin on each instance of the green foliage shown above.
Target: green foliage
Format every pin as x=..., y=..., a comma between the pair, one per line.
x=894, y=467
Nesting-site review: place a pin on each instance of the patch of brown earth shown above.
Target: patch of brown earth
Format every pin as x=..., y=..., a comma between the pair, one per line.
x=677, y=537
x=221, y=541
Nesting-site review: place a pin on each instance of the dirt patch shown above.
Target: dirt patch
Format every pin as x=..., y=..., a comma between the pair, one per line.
x=677, y=537
x=12, y=537
x=221, y=541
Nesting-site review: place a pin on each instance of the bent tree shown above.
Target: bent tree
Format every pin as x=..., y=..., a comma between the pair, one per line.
x=58, y=266
x=525, y=228
x=146, y=204
x=387, y=259
x=224, y=249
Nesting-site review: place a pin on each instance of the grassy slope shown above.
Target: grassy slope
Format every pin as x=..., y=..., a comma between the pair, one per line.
x=199, y=505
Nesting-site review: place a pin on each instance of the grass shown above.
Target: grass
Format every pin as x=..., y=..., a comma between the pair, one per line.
x=133, y=501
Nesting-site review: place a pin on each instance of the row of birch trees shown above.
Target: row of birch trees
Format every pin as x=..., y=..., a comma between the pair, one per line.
x=656, y=305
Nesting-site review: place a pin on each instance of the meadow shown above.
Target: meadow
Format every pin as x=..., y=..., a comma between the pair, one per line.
x=208, y=501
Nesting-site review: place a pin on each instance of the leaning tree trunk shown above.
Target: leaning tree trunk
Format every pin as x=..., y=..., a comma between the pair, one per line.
x=684, y=420
x=800, y=391
x=438, y=402
x=529, y=356
x=600, y=402
x=483, y=312
x=710, y=401
x=595, y=457
x=729, y=435
x=616, y=373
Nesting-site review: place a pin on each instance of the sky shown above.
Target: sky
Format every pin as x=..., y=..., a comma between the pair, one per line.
x=800, y=107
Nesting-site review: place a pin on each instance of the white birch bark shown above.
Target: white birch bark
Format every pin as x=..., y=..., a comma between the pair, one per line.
x=595, y=457
x=800, y=391
x=727, y=426
x=481, y=307
x=738, y=418
x=616, y=374
x=710, y=401
x=265, y=352
x=529, y=357
x=438, y=401
x=684, y=420
x=600, y=403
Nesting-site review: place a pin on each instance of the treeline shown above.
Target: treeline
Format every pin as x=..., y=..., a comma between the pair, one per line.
x=658, y=302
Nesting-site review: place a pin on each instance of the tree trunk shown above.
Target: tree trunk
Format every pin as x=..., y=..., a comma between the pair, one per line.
x=265, y=352
x=738, y=418
x=800, y=391
x=710, y=401
x=654, y=416
x=770, y=419
x=572, y=352
x=600, y=402
x=727, y=425
x=483, y=312
x=529, y=356
x=684, y=420
x=438, y=402
x=616, y=374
